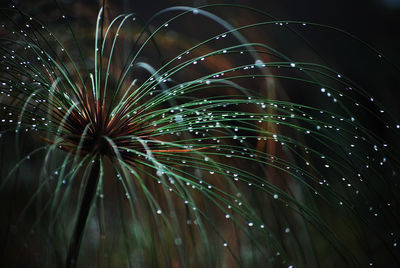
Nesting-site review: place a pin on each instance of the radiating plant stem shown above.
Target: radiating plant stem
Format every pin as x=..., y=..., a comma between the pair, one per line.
x=84, y=211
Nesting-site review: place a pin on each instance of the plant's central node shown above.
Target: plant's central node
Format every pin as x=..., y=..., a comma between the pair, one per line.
x=92, y=140
x=94, y=130
x=99, y=144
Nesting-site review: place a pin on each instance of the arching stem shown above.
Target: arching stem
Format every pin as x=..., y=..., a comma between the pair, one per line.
x=87, y=200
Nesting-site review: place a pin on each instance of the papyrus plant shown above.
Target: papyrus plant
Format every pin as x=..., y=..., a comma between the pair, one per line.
x=147, y=147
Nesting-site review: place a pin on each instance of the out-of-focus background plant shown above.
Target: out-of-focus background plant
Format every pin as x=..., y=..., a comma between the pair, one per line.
x=215, y=135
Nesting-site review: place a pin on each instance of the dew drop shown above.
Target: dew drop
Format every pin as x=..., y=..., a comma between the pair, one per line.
x=259, y=63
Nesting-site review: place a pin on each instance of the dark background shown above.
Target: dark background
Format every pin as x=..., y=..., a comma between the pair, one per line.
x=377, y=22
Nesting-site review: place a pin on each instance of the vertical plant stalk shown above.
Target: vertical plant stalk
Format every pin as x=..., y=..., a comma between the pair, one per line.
x=88, y=196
